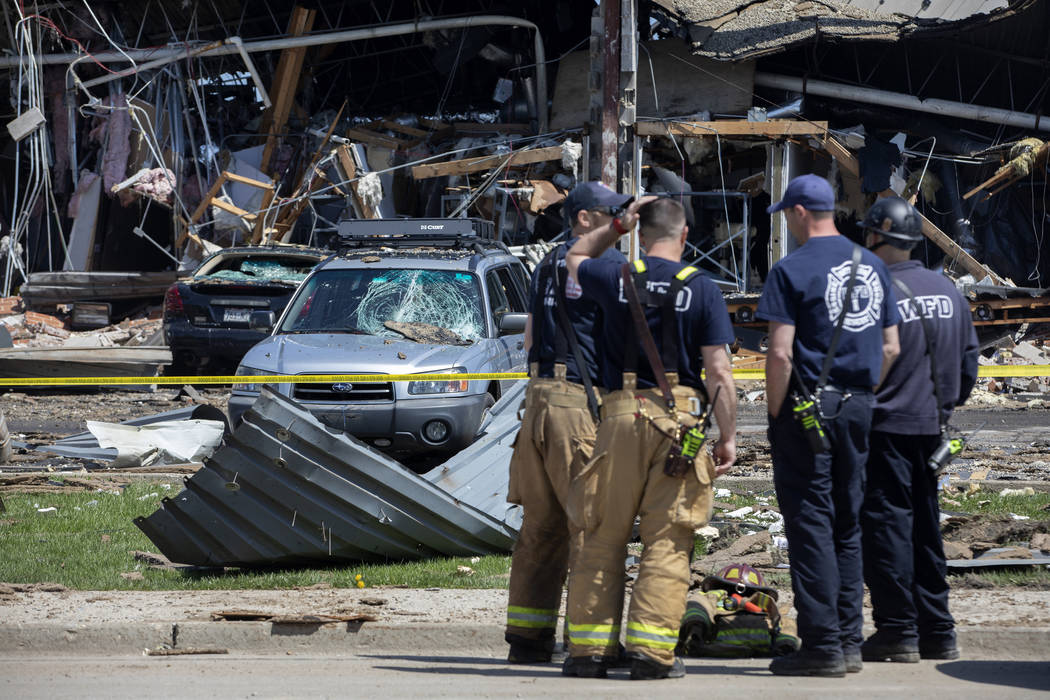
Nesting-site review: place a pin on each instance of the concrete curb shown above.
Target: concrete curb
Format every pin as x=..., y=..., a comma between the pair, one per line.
x=121, y=639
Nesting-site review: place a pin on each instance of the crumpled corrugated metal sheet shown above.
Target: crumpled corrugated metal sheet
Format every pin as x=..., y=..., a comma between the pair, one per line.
x=479, y=475
x=286, y=490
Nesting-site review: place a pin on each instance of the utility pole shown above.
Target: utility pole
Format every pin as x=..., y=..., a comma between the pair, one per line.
x=613, y=88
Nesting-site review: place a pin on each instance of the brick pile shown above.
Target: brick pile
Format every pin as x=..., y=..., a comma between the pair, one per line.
x=31, y=329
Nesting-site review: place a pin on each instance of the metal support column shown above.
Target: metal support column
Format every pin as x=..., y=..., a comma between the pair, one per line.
x=778, y=157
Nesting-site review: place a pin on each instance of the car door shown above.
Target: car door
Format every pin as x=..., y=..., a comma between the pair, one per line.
x=517, y=295
x=500, y=303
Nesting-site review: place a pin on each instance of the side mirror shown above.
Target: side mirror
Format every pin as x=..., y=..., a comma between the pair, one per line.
x=511, y=323
x=262, y=320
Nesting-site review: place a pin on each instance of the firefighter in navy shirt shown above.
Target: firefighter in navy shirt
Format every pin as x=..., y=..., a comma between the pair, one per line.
x=904, y=563
x=626, y=476
x=820, y=494
x=557, y=429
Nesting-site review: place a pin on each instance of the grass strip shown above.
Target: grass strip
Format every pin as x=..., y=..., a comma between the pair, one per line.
x=86, y=544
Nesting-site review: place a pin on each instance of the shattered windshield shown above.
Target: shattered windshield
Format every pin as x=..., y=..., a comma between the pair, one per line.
x=263, y=269
x=366, y=301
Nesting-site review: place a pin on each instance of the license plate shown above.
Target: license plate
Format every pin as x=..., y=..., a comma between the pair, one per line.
x=236, y=315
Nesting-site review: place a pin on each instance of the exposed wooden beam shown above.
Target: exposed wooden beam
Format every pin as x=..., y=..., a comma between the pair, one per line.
x=286, y=81
x=775, y=128
x=348, y=169
x=473, y=165
x=372, y=138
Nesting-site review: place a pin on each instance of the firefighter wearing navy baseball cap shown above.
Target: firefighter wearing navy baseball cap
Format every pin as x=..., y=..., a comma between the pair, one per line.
x=832, y=336
x=557, y=428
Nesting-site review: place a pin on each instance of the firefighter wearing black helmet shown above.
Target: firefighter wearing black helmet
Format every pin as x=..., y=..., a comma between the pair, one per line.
x=904, y=564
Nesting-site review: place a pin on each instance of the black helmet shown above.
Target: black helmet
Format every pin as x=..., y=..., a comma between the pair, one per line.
x=896, y=220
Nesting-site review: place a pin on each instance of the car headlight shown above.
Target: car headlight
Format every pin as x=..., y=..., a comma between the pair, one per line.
x=243, y=371
x=440, y=387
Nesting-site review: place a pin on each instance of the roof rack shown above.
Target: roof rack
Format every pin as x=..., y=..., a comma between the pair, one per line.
x=355, y=233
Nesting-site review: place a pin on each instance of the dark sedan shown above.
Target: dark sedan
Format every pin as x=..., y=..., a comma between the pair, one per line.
x=206, y=317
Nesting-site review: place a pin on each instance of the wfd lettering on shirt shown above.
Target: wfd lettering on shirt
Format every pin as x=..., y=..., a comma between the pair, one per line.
x=682, y=303
x=929, y=306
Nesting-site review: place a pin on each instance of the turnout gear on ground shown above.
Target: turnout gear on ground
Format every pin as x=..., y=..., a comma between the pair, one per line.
x=729, y=617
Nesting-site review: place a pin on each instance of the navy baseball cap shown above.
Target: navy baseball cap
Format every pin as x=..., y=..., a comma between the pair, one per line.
x=589, y=195
x=811, y=191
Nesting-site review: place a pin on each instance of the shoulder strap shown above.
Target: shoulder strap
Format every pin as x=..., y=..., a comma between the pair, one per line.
x=931, y=348
x=645, y=336
x=825, y=370
x=559, y=276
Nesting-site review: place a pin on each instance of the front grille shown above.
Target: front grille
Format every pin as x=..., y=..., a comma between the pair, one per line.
x=356, y=391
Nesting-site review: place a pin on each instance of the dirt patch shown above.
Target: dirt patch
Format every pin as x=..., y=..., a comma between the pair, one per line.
x=12, y=588
x=998, y=529
x=47, y=483
x=43, y=483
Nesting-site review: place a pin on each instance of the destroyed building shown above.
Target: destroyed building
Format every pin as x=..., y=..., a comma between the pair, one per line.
x=142, y=136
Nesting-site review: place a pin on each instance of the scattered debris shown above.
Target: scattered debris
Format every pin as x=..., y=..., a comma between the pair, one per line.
x=188, y=651
x=166, y=442
x=305, y=619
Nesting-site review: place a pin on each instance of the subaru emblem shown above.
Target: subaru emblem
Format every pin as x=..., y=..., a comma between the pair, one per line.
x=343, y=387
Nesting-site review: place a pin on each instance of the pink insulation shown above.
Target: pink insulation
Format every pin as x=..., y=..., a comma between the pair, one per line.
x=118, y=142
x=156, y=183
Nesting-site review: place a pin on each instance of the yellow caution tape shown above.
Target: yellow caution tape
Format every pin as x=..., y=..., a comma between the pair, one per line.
x=258, y=379
x=1013, y=371
x=740, y=373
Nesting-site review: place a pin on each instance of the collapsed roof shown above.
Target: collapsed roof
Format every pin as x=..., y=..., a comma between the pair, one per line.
x=733, y=30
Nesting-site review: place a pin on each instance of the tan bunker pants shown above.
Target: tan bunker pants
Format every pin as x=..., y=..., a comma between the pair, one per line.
x=626, y=478
x=556, y=436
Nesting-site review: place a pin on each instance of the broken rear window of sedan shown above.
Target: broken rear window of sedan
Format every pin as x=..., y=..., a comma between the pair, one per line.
x=362, y=301
x=262, y=269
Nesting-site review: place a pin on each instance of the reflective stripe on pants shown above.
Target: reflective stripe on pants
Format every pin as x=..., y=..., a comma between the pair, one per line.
x=534, y=618
x=651, y=636
x=594, y=635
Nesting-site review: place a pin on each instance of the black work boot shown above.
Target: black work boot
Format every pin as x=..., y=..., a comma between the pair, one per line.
x=526, y=654
x=528, y=651
x=942, y=650
x=587, y=666
x=809, y=663
x=645, y=669
x=854, y=661
x=888, y=647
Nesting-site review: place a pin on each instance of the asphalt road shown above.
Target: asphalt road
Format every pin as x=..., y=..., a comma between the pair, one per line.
x=412, y=676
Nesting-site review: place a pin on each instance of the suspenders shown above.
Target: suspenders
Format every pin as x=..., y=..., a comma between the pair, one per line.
x=564, y=334
x=670, y=332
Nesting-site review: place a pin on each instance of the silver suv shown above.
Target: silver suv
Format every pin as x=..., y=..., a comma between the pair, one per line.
x=404, y=296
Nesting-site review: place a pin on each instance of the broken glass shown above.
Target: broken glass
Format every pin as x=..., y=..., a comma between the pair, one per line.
x=363, y=301
x=269, y=269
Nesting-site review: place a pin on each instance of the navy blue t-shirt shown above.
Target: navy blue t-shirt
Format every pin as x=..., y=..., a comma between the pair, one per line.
x=806, y=289
x=583, y=313
x=700, y=309
x=905, y=403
